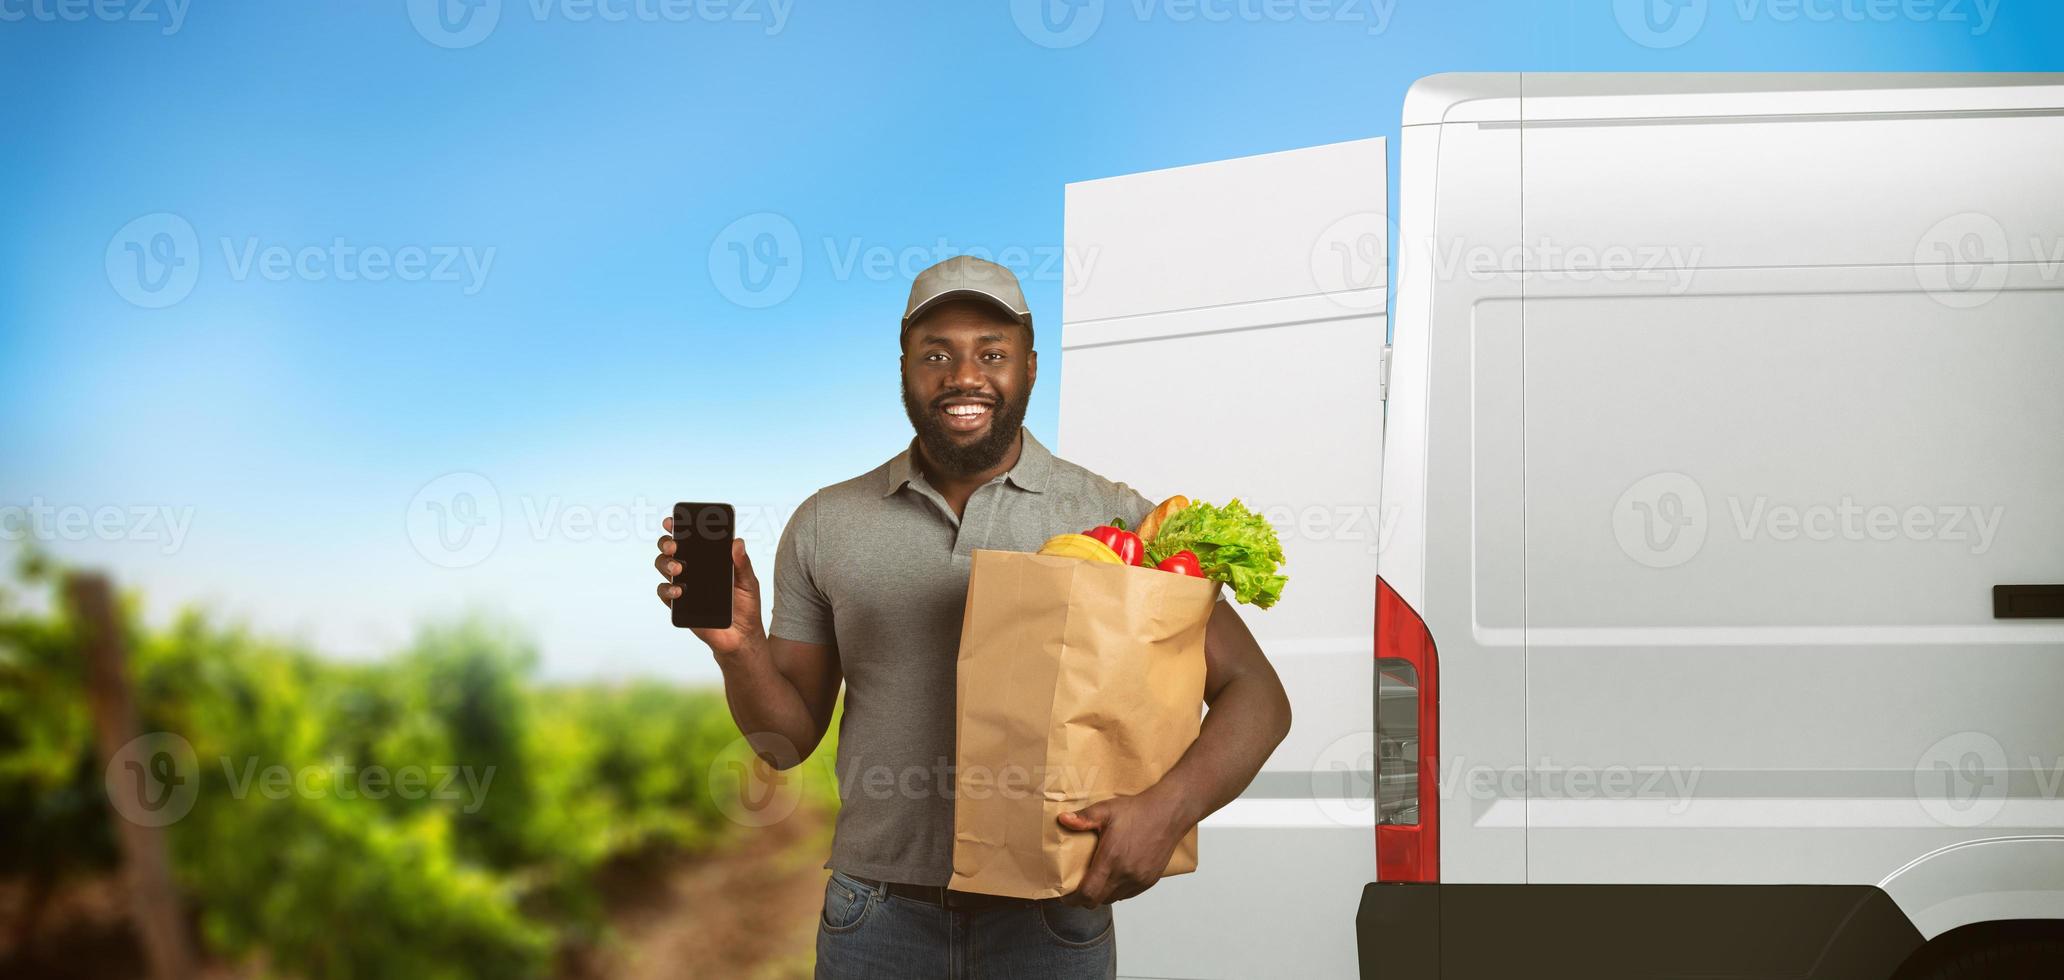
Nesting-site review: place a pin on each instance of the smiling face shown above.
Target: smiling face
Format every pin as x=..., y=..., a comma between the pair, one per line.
x=967, y=378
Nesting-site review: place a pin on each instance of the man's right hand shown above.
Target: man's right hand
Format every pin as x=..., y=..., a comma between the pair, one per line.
x=746, y=633
x=781, y=692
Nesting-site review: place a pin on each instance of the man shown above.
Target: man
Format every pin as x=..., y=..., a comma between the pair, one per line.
x=869, y=583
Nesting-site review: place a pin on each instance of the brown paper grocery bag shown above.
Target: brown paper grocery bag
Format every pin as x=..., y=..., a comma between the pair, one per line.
x=1078, y=681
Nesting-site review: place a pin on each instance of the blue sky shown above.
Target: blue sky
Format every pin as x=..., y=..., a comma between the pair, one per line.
x=278, y=281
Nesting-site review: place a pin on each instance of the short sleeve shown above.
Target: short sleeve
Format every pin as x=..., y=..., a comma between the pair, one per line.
x=1132, y=506
x=802, y=612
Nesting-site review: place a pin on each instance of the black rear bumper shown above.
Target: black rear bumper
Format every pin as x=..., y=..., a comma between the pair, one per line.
x=1465, y=931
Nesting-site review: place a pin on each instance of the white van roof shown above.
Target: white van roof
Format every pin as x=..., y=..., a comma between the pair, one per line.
x=1494, y=97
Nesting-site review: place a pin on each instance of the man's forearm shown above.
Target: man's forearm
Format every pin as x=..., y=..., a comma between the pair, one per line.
x=1245, y=724
x=767, y=707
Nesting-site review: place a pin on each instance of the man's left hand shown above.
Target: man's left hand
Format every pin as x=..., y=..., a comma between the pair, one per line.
x=1135, y=837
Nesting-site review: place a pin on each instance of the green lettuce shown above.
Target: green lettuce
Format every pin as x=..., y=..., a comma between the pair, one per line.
x=1233, y=544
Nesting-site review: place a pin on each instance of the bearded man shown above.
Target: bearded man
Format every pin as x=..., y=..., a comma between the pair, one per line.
x=870, y=578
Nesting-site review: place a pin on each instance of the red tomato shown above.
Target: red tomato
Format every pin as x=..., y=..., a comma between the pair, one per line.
x=1183, y=562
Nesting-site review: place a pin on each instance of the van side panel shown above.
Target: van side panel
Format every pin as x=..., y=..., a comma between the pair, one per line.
x=1794, y=389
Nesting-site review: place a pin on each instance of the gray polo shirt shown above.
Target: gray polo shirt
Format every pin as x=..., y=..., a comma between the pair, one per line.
x=878, y=566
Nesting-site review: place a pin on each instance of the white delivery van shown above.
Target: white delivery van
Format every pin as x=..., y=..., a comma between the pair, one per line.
x=1716, y=623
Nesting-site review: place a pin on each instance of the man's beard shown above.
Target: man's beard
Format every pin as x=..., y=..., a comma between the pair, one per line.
x=1006, y=416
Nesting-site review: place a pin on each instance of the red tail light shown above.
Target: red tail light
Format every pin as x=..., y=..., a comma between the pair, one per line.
x=1407, y=743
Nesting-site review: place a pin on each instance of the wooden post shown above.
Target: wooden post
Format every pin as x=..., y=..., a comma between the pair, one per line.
x=146, y=868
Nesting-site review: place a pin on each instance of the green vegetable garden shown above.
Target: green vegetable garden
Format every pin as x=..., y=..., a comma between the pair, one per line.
x=485, y=864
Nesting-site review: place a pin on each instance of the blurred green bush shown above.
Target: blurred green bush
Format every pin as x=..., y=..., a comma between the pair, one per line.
x=485, y=868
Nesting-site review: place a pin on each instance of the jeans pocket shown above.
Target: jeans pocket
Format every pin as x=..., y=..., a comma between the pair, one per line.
x=1070, y=925
x=846, y=903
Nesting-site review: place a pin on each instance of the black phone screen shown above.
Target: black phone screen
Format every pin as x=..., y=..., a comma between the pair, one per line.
x=702, y=544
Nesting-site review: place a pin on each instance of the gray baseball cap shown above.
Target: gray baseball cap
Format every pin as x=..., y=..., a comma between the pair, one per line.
x=967, y=277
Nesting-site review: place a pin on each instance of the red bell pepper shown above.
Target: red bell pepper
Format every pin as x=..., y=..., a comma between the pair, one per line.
x=1183, y=562
x=1124, y=542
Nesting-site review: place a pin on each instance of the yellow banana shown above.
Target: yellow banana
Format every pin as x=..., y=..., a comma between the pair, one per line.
x=1080, y=546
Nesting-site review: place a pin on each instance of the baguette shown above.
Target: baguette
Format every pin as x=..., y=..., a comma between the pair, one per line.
x=1151, y=524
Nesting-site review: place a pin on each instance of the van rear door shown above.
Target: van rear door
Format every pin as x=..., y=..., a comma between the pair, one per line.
x=1225, y=325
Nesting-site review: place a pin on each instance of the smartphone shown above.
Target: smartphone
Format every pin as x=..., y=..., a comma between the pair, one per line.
x=702, y=544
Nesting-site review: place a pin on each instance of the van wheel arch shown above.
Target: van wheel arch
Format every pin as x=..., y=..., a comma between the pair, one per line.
x=2004, y=949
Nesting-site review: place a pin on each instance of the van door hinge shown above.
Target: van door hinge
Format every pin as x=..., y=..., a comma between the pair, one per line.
x=1383, y=374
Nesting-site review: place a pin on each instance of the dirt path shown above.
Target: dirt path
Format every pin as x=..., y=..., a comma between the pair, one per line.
x=747, y=910
x=744, y=910
x=82, y=933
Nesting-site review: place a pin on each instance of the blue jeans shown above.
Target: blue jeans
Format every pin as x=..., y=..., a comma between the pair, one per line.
x=866, y=933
